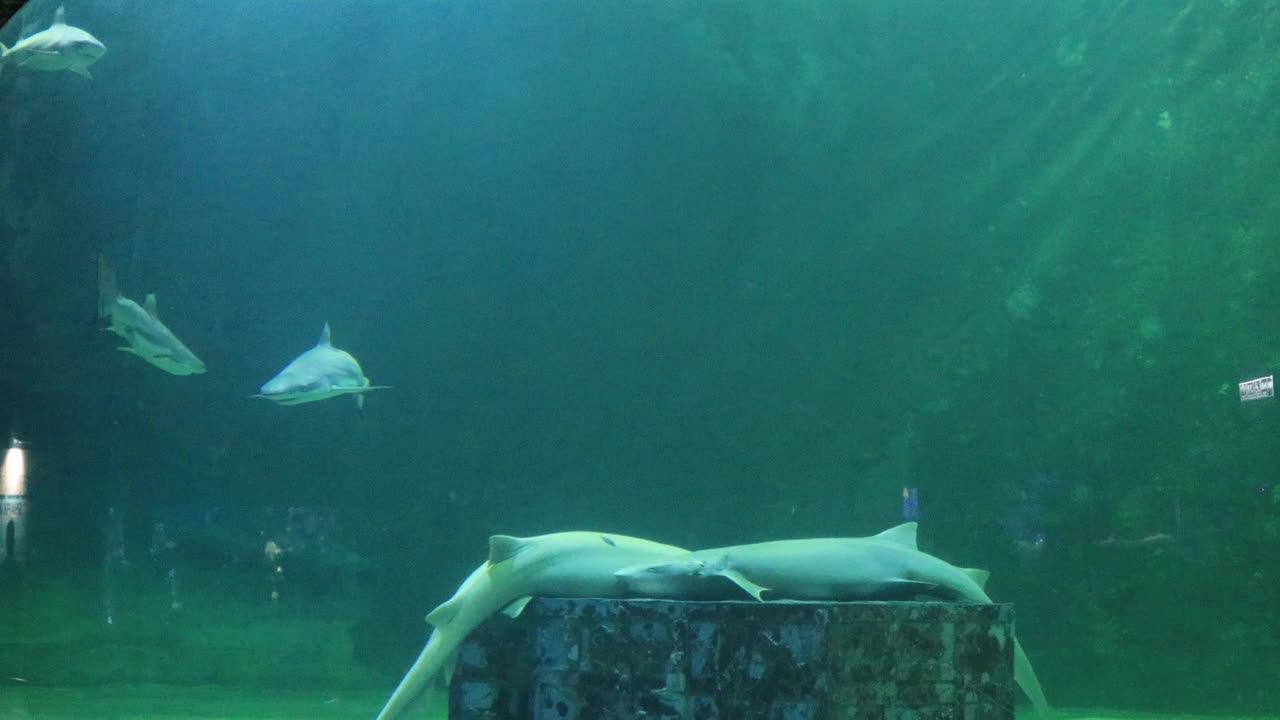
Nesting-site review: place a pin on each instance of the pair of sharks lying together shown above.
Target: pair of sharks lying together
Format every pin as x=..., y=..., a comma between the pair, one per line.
x=590, y=564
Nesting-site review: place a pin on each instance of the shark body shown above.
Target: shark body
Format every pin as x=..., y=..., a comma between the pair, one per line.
x=567, y=564
x=140, y=326
x=888, y=564
x=320, y=373
x=58, y=47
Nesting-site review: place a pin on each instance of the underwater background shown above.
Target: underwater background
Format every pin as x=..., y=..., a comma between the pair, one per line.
x=707, y=273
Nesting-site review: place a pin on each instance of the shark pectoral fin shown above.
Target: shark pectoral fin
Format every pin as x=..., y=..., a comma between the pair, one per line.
x=979, y=577
x=83, y=72
x=754, y=590
x=352, y=390
x=903, y=535
x=444, y=614
x=359, y=402
x=504, y=547
x=515, y=608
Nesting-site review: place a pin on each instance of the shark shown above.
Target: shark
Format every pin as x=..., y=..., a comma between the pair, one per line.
x=58, y=47
x=885, y=565
x=320, y=373
x=564, y=564
x=140, y=326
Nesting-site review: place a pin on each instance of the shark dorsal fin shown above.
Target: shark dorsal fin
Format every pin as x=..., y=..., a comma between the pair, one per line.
x=504, y=547
x=149, y=304
x=443, y=614
x=60, y=17
x=324, y=337
x=903, y=535
x=979, y=577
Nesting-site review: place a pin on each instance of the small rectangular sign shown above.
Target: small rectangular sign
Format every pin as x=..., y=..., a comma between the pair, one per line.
x=1258, y=388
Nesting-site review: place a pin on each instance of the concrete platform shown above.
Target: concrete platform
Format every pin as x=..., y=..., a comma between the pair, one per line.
x=573, y=659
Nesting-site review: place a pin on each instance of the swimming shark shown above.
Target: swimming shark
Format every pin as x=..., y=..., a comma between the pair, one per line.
x=320, y=373
x=565, y=564
x=828, y=569
x=58, y=47
x=140, y=326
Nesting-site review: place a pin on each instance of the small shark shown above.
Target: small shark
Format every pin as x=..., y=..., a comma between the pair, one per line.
x=566, y=564
x=828, y=569
x=140, y=326
x=58, y=47
x=320, y=373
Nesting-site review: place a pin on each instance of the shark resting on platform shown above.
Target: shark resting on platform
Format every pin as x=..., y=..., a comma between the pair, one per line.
x=566, y=564
x=592, y=564
x=887, y=565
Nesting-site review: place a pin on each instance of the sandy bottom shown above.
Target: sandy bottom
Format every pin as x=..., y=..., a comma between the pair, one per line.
x=161, y=702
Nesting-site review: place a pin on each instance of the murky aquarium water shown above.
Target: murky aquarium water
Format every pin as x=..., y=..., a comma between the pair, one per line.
x=319, y=317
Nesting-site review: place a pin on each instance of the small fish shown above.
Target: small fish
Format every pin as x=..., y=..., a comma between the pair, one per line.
x=140, y=326
x=58, y=47
x=320, y=373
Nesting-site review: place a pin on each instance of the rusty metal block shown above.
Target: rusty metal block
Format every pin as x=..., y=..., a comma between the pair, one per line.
x=575, y=659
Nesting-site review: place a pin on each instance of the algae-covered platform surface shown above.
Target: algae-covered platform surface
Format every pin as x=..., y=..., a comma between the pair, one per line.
x=161, y=702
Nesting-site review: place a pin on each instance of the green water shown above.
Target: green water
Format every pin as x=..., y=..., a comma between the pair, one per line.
x=706, y=273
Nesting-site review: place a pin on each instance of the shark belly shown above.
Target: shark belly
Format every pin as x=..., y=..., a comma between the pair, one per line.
x=45, y=62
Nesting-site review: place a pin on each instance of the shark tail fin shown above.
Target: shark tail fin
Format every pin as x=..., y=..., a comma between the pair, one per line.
x=108, y=290
x=1025, y=676
x=903, y=535
x=504, y=547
